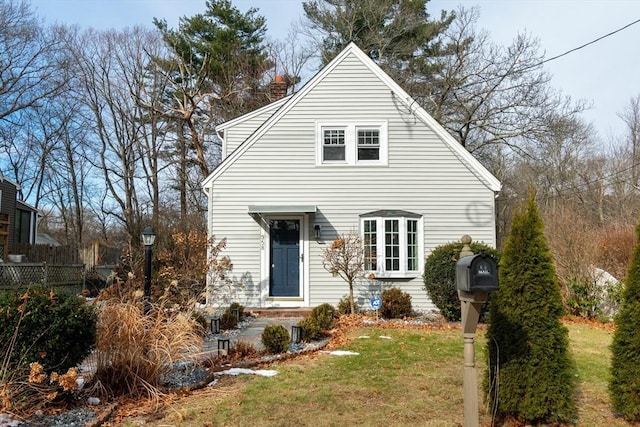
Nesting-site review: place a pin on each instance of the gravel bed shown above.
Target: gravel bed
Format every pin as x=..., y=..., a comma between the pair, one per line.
x=185, y=374
x=77, y=417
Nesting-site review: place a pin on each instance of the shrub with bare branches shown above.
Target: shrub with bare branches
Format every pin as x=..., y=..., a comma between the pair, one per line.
x=345, y=258
x=581, y=252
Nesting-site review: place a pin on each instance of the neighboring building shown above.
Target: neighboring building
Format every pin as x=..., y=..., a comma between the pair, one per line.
x=349, y=152
x=18, y=220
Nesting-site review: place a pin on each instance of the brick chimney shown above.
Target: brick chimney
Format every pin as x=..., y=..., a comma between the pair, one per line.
x=278, y=88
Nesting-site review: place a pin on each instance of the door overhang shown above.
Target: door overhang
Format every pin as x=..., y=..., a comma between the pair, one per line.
x=259, y=211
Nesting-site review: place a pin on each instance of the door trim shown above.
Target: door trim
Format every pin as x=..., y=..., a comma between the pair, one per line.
x=302, y=300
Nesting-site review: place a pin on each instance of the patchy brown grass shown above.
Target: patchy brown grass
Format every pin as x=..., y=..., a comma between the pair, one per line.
x=403, y=376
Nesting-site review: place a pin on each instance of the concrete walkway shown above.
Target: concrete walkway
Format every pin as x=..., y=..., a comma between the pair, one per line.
x=251, y=334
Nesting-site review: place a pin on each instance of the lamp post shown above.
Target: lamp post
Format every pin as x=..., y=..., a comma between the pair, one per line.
x=148, y=237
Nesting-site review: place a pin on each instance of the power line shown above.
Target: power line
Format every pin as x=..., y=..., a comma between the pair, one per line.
x=588, y=43
x=544, y=61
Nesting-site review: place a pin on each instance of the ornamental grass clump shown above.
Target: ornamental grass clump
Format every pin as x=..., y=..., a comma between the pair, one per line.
x=134, y=351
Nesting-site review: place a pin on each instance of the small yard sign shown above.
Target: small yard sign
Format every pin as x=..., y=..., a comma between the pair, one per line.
x=376, y=303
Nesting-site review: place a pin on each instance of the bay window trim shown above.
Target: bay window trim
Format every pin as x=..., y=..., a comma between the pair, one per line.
x=407, y=250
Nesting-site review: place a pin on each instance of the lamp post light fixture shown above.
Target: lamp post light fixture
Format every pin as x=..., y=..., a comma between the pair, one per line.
x=148, y=238
x=224, y=345
x=296, y=334
x=215, y=325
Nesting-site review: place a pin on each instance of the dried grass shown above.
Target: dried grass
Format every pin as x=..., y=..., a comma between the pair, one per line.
x=134, y=351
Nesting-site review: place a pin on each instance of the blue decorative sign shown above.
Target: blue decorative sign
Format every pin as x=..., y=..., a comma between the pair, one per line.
x=376, y=303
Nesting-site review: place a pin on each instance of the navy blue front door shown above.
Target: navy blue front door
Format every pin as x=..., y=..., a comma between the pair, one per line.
x=285, y=258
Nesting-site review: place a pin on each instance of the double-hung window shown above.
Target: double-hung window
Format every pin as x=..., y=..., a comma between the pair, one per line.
x=368, y=144
x=392, y=243
x=358, y=143
x=333, y=148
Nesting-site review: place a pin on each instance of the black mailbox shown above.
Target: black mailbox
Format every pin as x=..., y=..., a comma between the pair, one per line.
x=477, y=273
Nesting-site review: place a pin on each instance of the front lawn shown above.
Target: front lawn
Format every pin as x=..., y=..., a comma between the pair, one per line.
x=401, y=377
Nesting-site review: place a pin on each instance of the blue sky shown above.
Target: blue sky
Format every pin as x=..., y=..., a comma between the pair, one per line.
x=606, y=73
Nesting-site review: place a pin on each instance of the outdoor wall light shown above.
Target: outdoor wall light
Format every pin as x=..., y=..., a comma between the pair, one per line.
x=236, y=313
x=215, y=325
x=296, y=334
x=316, y=231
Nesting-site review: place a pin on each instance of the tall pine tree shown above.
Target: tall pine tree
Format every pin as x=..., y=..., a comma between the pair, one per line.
x=624, y=386
x=531, y=374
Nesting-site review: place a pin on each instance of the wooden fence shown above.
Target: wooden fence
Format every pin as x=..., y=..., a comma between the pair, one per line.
x=19, y=275
x=47, y=253
x=4, y=236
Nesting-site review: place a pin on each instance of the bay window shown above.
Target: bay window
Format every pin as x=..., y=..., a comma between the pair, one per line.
x=392, y=243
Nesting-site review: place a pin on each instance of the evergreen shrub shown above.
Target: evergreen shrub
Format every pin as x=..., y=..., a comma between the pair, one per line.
x=276, y=339
x=239, y=307
x=396, y=304
x=624, y=389
x=344, y=306
x=318, y=322
x=440, y=276
x=311, y=329
x=228, y=320
x=57, y=330
x=531, y=376
x=324, y=314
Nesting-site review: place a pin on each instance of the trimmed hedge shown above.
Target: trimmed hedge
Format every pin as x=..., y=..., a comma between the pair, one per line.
x=440, y=276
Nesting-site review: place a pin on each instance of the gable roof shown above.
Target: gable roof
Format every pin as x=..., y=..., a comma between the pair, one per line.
x=24, y=206
x=255, y=113
x=472, y=163
x=7, y=180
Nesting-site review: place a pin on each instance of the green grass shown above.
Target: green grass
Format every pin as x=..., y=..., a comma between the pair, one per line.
x=414, y=378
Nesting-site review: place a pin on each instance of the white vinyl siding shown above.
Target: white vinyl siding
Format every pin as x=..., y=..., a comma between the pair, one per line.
x=421, y=174
x=244, y=127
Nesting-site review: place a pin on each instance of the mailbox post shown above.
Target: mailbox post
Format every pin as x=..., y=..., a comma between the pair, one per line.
x=476, y=276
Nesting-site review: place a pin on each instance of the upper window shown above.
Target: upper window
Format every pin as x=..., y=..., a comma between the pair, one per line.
x=333, y=144
x=351, y=144
x=392, y=243
x=368, y=144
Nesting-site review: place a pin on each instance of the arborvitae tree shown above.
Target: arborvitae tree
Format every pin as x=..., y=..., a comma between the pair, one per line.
x=531, y=374
x=624, y=386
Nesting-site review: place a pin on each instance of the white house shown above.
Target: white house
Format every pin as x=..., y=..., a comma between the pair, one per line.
x=350, y=152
